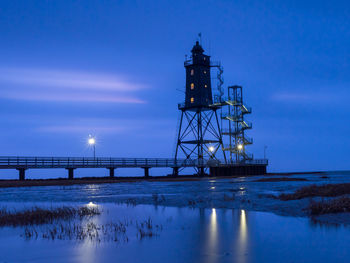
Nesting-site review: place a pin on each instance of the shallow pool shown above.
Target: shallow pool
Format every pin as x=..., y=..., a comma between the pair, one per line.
x=191, y=235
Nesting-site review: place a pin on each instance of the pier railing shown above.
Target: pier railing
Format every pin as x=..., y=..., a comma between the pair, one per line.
x=71, y=163
x=76, y=162
x=81, y=162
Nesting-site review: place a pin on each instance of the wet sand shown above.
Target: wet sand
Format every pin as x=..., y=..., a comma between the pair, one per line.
x=252, y=193
x=90, y=180
x=108, y=180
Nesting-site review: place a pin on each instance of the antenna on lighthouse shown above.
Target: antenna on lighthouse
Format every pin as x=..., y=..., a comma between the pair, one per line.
x=200, y=37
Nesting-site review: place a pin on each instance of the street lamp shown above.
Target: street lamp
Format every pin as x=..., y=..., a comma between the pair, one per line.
x=92, y=142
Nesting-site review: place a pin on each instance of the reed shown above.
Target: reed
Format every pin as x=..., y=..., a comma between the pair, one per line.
x=326, y=190
x=39, y=216
x=337, y=205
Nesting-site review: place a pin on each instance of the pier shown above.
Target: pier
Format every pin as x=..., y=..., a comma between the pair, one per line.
x=21, y=164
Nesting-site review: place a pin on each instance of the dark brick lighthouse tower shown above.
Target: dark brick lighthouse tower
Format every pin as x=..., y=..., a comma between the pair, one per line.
x=198, y=84
x=199, y=136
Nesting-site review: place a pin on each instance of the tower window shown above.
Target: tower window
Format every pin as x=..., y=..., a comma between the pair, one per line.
x=192, y=86
x=192, y=100
x=205, y=86
x=192, y=72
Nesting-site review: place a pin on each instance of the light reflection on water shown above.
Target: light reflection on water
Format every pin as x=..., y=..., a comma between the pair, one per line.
x=192, y=235
x=213, y=237
x=242, y=239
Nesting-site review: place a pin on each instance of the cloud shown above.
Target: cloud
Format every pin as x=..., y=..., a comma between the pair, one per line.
x=69, y=97
x=106, y=125
x=66, y=86
x=304, y=97
x=81, y=129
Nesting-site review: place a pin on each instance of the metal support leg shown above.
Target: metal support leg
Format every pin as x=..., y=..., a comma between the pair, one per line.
x=175, y=171
x=111, y=172
x=22, y=174
x=201, y=171
x=70, y=173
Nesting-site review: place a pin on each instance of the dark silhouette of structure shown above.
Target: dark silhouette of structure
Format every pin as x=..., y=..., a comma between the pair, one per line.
x=236, y=124
x=199, y=136
x=200, y=139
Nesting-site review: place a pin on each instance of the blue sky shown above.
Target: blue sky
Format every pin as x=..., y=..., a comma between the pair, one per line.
x=114, y=69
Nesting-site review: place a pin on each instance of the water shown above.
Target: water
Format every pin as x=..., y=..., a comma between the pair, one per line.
x=142, y=190
x=212, y=231
x=193, y=235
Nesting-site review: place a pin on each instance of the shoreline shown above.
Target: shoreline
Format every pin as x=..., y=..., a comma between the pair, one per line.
x=6, y=183
x=237, y=192
x=101, y=180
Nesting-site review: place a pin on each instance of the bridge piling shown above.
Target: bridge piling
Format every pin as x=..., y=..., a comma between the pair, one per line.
x=21, y=164
x=70, y=173
x=22, y=174
x=146, y=171
x=111, y=172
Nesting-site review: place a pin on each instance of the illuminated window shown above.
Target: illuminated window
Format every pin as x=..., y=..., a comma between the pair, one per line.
x=204, y=58
x=192, y=85
x=205, y=72
x=192, y=72
x=192, y=100
x=205, y=86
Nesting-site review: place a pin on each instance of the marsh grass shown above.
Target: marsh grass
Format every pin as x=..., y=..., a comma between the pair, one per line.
x=91, y=231
x=147, y=229
x=337, y=205
x=39, y=216
x=74, y=223
x=326, y=190
x=131, y=202
x=158, y=198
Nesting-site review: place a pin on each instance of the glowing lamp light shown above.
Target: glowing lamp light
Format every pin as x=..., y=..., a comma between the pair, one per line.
x=91, y=141
x=240, y=146
x=211, y=148
x=91, y=205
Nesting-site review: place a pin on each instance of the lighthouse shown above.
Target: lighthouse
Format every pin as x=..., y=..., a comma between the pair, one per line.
x=198, y=82
x=199, y=136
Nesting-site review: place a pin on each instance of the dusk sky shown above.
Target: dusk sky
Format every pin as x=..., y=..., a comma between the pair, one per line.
x=114, y=69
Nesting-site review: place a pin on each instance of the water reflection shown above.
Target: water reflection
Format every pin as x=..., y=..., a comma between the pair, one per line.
x=212, y=233
x=86, y=248
x=192, y=235
x=229, y=226
x=242, y=237
x=91, y=205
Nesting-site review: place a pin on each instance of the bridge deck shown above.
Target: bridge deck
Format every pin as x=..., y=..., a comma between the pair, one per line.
x=71, y=163
x=77, y=162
